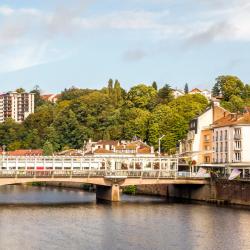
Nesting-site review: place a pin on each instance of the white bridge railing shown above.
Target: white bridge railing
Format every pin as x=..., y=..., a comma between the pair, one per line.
x=155, y=174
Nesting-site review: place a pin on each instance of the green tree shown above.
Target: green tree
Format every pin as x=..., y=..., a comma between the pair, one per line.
x=117, y=93
x=20, y=90
x=154, y=85
x=48, y=148
x=38, y=99
x=110, y=87
x=235, y=104
x=216, y=89
x=70, y=132
x=135, y=123
x=142, y=96
x=165, y=94
x=229, y=86
x=186, y=89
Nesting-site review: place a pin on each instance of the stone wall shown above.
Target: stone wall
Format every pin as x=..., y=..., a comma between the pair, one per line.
x=218, y=191
x=160, y=189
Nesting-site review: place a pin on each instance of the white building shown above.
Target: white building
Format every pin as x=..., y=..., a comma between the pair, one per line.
x=206, y=93
x=177, y=93
x=198, y=139
x=16, y=106
x=231, y=142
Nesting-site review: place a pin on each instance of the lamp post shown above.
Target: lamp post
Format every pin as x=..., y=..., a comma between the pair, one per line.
x=159, y=142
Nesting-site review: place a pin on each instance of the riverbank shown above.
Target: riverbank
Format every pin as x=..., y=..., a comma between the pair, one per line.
x=218, y=191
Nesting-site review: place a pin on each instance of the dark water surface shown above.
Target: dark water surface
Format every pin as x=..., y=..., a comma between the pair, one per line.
x=76, y=221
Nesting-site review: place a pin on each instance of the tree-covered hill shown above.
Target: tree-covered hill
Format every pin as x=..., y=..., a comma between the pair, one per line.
x=110, y=113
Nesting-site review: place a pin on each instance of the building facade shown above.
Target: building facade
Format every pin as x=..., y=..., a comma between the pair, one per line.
x=231, y=144
x=17, y=106
x=198, y=144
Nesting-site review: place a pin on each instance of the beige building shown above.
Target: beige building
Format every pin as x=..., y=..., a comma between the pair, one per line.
x=198, y=144
x=16, y=106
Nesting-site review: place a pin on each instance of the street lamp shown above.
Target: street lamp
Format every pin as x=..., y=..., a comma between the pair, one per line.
x=159, y=142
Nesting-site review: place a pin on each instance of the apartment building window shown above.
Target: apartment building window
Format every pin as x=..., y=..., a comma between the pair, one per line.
x=217, y=147
x=225, y=134
x=216, y=138
x=226, y=146
x=221, y=135
x=237, y=156
x=217, y=157
x=206, y=138
x=237, y=144
x=221, y=147
x=207, y=147
x=221, y=157
x=207, y=159
x=237, y=133
x=226, y=157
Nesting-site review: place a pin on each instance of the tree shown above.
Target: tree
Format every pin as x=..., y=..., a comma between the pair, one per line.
x=70, y=132
x=117, y=93
x=154, y=85
x=110, y=87
x=165, y=94
x=142, y=96
x=135, y=123
x=216, y=90
x=235, y=104
x=20, y=90
x=38, y=99
x=48, y=148
x=186, y=89
x=229, y=86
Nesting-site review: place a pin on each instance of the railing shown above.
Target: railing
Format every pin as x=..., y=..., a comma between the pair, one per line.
x=237, y=136
x=95, y=174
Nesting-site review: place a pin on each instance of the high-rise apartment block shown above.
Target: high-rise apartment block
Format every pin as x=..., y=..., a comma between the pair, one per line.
x=16, y=106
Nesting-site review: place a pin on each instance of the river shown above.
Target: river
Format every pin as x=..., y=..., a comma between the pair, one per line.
x=60, y=218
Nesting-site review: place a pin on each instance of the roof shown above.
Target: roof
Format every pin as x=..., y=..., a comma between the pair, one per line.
x=103, y=151
x=195, y=90
x=107, y=142
x=25, y=152
x=233, y=119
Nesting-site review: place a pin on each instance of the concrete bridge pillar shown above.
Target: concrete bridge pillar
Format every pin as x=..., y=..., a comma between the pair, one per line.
x=108, y=193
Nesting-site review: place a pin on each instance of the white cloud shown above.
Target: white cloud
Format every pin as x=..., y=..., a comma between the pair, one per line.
x=29, y=32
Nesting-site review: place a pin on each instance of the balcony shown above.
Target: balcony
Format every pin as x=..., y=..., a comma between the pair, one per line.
x=237, y=148
x=237, y=136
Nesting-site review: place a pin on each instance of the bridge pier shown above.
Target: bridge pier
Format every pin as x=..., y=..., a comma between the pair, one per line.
x=108, y=193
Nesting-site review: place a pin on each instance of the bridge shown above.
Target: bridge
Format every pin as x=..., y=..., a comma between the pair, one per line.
x=109, y=174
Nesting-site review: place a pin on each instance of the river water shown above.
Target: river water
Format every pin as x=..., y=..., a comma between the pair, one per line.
x=58, y=218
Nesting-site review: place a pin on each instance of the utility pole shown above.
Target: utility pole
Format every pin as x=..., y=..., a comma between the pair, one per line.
x=159, y=144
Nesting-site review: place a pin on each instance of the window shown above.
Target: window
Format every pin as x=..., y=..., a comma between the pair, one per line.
x=226, y=146
x=221, y=135
x=207, y=159
x=216, y=136
x=225, y=134
x=206, y=137
x=221, y=157
x=226, y=157
x=207, y=147
x=237, y=144
x=221, y=147
x=237, y=156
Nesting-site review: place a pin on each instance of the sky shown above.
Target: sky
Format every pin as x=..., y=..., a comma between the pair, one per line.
x=58, y=44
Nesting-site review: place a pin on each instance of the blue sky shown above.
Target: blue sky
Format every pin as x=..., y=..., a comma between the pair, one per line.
x=60, y=43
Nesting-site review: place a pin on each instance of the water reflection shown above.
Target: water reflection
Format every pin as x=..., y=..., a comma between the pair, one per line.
x=135, y=223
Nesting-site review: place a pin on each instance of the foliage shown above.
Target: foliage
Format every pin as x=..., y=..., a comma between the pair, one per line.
x=129, y=190
x=109, y=113
x=186, y=89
